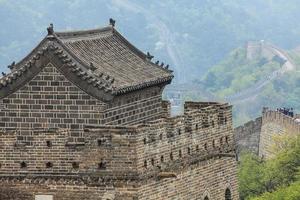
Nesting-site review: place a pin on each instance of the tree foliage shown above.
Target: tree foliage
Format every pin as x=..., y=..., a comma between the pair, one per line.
x=258, y=176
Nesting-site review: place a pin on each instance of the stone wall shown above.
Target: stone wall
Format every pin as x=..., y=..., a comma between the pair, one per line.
x=184, y=157
x=195, y=183
x=247, y=136
x=275, y=123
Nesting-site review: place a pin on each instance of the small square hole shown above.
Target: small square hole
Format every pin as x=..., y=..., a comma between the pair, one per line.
x=49, y=143
x=49, y=165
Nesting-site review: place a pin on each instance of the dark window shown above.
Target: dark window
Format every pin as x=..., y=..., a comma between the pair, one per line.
x=152, y=162
x=179, y=132
x=160, y=136
x=171, y=156
x=206, y=198
x=221, y=141
x=145, y=141
x=23, y=164
x=226, y=139
x=161, y=158
x=102, y=165
x=49, y=143
x=213, y=144
x=180, y=154
x=205, y=146
x=197, y=147
x=75, y=165
x=145, y=163
x=228, y=194
x=49, y=165
x=196, y=126
x=189, y=150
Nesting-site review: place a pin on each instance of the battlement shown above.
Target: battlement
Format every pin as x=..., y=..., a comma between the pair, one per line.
x=103, y=149
x=290, y=123
x=246, y=137
x=276, y=123
x=250, y=125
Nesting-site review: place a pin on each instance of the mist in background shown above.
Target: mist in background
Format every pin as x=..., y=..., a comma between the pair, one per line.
x=189, y=35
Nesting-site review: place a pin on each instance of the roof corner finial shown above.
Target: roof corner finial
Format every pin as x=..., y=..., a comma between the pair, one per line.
x=112, y=22
x=50, y=29
x=3, y=74
x=167, y=67
x=12, y=65
x=149, y=56
x=157, y=62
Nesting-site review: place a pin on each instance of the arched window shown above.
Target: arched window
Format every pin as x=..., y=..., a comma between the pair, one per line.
x=228, y=194
x=206, y=198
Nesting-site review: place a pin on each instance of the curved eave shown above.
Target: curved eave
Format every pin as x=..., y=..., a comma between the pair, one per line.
x=146, y=84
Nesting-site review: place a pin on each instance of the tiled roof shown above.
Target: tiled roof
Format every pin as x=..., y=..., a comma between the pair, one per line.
x=102, y=58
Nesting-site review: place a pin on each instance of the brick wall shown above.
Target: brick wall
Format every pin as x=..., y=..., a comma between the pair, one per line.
x=204, y=179
x=50, y=100
x=151, y=161
x=247, y=136
x=136, y=107
x=275, y=123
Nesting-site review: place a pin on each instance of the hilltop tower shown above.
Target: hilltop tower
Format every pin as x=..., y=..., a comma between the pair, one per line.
x=82, y=117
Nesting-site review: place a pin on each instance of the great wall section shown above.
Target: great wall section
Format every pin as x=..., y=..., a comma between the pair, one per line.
x=257, y=136
x=268, y=51
x=254, y=50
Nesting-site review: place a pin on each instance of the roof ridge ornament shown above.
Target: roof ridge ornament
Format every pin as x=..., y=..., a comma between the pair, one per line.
x=112, y=22
x=149, y=56
x=50, y=29
x=12, y=65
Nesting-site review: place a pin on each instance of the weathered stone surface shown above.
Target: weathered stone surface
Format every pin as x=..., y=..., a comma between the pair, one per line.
x=275, y=123
x=247, y=136
x=257, y=136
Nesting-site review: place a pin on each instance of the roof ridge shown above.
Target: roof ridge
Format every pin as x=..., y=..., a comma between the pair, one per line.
x=73, y=33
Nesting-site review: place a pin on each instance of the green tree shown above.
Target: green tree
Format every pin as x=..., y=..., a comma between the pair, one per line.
x=258, y=176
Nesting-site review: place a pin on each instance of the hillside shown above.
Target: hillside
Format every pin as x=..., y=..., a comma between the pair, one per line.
x=190, y=36
x=265, y=79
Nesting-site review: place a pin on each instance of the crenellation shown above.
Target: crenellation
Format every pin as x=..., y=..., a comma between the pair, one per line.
x=257, y=136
